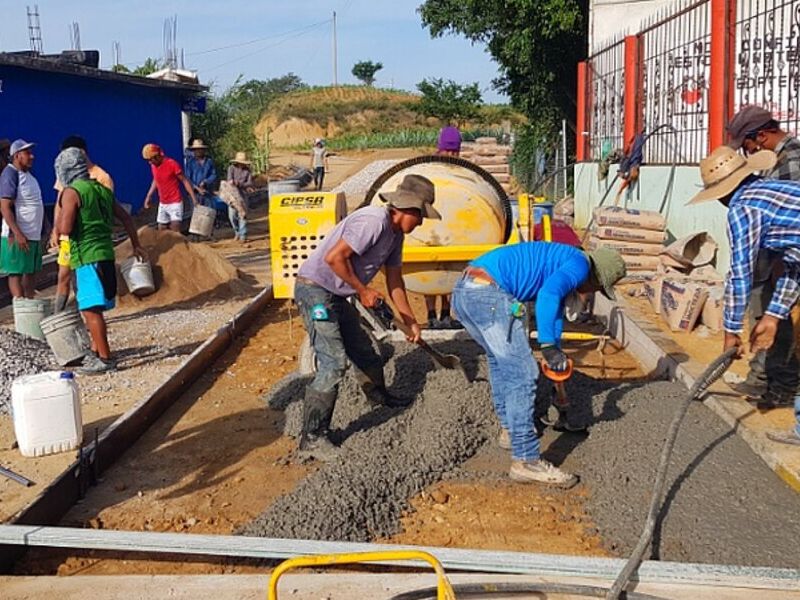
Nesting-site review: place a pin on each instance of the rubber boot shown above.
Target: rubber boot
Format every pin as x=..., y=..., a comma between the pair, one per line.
x=317, y=413
x=375, y=390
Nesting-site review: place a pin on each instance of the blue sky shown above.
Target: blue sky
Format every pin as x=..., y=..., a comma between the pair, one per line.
x=388, y=31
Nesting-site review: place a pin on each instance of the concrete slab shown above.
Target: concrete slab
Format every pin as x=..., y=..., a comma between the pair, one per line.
x=662, y=355
x=308, y=586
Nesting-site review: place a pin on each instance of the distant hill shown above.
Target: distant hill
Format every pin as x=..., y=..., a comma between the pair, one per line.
x=298, y=118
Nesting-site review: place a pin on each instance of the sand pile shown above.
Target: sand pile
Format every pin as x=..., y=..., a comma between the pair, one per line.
x=182, y=271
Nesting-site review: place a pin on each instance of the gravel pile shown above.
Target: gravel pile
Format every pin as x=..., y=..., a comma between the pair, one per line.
x=360, y=183
x=387, y=456
x=724, y=505
x=20, y=355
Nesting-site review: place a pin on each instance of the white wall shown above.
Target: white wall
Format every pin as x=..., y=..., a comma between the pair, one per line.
x=613, y=18
x=682, y=220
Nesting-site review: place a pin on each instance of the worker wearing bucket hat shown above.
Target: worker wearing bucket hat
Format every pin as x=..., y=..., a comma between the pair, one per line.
x=763, y=215
x=342, y=266
x=490, y=301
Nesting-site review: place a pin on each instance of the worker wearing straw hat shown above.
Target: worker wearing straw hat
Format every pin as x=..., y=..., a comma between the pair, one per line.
x=201, y=172
x=240, y=178
x=763, y=215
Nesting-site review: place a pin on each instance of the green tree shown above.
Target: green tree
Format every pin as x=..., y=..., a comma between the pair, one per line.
x=536, y=44
x=365, y=71
x=151, y=65
x=448, y=100
x=228, y=124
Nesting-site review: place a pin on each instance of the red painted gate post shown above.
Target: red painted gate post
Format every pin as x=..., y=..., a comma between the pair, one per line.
x=581, y=121
x=631, y=92
x=720, y=88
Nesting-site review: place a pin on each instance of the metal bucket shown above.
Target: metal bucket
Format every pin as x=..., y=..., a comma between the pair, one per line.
x=202, y=222
x=138, y=276
x=67, y=336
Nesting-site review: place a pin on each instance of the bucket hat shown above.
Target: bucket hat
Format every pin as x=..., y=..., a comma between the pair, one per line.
x=724, y=169
x=151, y=150
x=241, y=158
x=415, y=191
x=197, y=144
x=747, y=121
x=608, y=268
x=19, y=146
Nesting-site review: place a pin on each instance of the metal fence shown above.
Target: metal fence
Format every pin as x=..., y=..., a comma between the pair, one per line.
x=767, y=58
x=675, y=56
x=606, y=84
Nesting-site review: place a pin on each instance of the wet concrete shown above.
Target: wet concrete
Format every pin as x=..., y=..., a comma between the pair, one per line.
x=724, y=505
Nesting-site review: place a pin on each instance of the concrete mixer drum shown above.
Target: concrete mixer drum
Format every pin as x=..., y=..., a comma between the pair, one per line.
x=475, y=211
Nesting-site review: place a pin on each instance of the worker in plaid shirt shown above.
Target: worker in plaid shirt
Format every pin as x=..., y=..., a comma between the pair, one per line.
x=763, y=215
x=775, y=375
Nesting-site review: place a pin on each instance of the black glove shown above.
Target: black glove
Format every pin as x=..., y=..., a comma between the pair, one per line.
x=555, y=359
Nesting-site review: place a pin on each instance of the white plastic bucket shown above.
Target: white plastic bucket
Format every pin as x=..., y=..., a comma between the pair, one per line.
x=202, y=222
x=67, y=336
x=46, y=409
x=138, y=276
x=28, y=315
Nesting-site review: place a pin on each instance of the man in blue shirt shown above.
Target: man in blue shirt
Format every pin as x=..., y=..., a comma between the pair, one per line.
x=763, y=215
x=201, y=172
x=489, y=301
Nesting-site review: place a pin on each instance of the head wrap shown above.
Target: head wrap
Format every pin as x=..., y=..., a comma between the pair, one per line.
x=71, y=165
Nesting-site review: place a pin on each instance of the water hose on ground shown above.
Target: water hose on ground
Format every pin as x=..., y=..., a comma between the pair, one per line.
x=713, y=372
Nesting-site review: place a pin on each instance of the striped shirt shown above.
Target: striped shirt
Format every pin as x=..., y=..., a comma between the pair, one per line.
x=763, y=213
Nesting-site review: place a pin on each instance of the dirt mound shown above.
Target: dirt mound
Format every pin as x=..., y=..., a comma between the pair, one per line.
x=182, y=271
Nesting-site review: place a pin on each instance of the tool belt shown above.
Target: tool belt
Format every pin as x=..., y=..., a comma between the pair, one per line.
x=479, y=276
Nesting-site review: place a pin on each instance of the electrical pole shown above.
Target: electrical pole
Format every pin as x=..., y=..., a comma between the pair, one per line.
x=335, y=67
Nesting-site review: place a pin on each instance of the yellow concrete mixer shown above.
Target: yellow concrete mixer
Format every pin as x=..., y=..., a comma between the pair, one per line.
x=476, y=217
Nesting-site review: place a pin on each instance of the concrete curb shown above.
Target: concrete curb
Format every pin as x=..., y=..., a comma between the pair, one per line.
x=661, y=355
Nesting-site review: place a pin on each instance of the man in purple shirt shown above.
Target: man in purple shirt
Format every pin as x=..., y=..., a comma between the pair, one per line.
x=343, y=266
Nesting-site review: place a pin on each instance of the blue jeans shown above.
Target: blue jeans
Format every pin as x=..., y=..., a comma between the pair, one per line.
x=336, y=338
x=485, y=312
x=239, y=224
x=797, y=414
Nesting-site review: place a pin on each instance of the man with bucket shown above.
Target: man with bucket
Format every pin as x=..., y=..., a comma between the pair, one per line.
x=86, y=216
x=763, y=216
x=167, y=179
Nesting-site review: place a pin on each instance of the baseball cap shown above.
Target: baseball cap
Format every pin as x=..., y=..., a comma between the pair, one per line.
x=748, y=120
x=151, y=150
x=19, y=146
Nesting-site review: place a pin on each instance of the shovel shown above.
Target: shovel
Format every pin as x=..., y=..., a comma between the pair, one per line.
x=442, y=361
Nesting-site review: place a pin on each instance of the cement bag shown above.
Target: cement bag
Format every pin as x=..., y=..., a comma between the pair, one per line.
x=690, y=252
x=713, y=309
x=631, y=248
x=231, y=196
x=565, y=207
x=629, y=234
x=615, y=216
x=681, y=303
x=641, y=262
x=652, y=291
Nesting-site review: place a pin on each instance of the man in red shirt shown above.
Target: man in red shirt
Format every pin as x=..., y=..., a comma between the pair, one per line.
x=167, y=177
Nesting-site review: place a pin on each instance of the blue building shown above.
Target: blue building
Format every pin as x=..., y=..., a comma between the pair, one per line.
x=43, y=100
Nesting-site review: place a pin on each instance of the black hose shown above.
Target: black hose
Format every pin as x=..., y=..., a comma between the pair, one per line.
x=542, y=589
x=713, y=372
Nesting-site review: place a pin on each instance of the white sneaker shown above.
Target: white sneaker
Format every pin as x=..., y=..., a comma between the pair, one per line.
x=504, y=439
x=540, y=471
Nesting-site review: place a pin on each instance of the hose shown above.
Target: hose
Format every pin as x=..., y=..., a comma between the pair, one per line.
x=542, y=589
x=713, y=372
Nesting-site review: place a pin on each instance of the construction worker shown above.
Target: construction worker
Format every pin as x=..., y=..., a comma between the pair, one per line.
x=489, y=299
x=200, y=172
x=342, y=266
x=763, y=215
x=167, y=179
x=774, y=375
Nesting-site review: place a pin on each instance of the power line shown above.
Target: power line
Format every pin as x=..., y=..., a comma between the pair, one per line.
x=257, y=40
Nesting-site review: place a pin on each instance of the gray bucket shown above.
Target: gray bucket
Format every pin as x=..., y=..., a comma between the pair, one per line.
x=28, y=315
x=67, y=337
x=202, y=222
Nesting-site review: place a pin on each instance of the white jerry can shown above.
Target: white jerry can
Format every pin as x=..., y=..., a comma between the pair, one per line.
x=47, y=413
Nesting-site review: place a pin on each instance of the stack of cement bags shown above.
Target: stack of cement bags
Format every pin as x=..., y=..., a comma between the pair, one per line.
x=491, y=156
x=638, y=235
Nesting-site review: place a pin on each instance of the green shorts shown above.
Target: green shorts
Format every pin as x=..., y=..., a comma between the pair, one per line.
x=16, y=261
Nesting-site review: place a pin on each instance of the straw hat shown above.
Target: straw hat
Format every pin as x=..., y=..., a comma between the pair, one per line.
x=197, y=144
x=241, y=158
x=724, y=169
